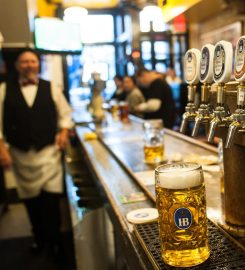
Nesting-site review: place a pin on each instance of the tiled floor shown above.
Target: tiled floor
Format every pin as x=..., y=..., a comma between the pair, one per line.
x=15, y=240
x=14, y=222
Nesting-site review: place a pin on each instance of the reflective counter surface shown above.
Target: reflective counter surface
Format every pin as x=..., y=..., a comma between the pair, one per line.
x=117, y=160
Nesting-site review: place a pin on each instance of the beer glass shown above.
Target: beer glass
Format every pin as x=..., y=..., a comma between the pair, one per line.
x=114, y=109
x=153, y=141
x=181, y=204
x=124, y=111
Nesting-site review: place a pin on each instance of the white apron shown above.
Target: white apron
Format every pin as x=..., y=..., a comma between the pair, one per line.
x=36, y=171
x=42, y=170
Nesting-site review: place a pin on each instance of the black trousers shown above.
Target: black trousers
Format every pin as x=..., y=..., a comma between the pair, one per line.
x=45, y=217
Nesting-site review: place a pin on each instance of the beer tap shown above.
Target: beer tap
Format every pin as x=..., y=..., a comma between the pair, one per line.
x=238, y=117
x=191, y=68
x=222, y=68
x=204, y=113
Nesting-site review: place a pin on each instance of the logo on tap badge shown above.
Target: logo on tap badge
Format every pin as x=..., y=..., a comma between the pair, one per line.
x=183, y=218
x=240, y=46
x=189, y=57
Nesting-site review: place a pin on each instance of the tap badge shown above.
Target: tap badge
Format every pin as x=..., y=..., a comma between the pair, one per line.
x=219, y=61
x=241, y=46
x=240, y=59
x=183, y=218
x=204, y=63
x=190, y=66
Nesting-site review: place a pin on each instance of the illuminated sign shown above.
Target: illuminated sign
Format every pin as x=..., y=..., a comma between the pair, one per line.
x=173, y=8
x=91, y=3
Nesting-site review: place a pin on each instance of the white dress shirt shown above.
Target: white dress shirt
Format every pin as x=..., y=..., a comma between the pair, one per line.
x=29, y=92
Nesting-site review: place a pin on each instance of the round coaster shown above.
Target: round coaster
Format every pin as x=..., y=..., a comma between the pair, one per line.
x=142, y=215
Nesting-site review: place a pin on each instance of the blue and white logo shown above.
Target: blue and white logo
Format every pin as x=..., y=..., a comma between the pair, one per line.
x=183, y=218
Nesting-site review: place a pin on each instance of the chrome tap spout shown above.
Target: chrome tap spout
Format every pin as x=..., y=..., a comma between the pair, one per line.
x=198, y=120
x=213, y=125
x=189, y=115
x=190, y=109
x=184, y=122
x=203, y=116
x=233, y=128
x=237, y=125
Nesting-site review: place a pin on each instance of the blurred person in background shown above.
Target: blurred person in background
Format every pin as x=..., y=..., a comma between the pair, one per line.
x=172, y=78
x=134, y=96
x=159, y=102
x=35, y=119
x=119, y=94
x=175, y=83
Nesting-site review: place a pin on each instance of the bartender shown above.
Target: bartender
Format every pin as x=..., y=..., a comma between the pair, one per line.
x=34, y=122
x=159, y=99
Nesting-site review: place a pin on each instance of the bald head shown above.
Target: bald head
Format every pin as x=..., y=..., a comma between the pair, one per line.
x=145, y=77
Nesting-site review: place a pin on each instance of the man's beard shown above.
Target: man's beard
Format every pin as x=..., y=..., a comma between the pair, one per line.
x=30, y=75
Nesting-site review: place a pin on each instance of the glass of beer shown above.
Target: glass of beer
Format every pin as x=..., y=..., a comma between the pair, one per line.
x=124, y=111
x=181, y=203
x=153, y=141
x=114, y=109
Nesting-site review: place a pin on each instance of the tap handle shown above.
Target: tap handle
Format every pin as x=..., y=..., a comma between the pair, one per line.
x=222, y=62
x=206, y=64
x=192, y=66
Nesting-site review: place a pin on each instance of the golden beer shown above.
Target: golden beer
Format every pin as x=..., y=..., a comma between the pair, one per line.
x=153, y=153
x=114, y=109
x=123, y=111
x=181, y=203
x=153, y=137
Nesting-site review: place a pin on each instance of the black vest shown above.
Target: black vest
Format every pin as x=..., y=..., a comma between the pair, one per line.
x=29, y=127
x=161, y=90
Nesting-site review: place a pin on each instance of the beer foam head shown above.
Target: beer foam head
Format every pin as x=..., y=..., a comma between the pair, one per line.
x=179, y=176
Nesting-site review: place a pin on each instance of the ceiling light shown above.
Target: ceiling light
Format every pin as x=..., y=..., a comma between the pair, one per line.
x=152, y=11
x=75, y=14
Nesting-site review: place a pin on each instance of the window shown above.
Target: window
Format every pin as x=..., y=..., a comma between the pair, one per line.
x=161, y=49
x=146, y=50
x=98, y=59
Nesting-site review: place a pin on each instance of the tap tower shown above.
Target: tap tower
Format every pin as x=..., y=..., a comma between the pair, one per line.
x=238, y=117
x=192, y=74
x=204, y=113
x=222, y=69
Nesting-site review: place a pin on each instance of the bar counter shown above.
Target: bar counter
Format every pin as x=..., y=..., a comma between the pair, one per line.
x=116, y=161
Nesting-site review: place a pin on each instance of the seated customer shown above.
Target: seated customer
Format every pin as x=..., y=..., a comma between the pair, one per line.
x=134, y=96
x=119, y=94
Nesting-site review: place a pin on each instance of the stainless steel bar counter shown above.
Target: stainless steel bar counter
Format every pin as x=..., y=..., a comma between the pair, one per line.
x=116, y=161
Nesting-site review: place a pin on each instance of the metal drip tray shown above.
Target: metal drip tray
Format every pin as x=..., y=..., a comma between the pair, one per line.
x=225, y=255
